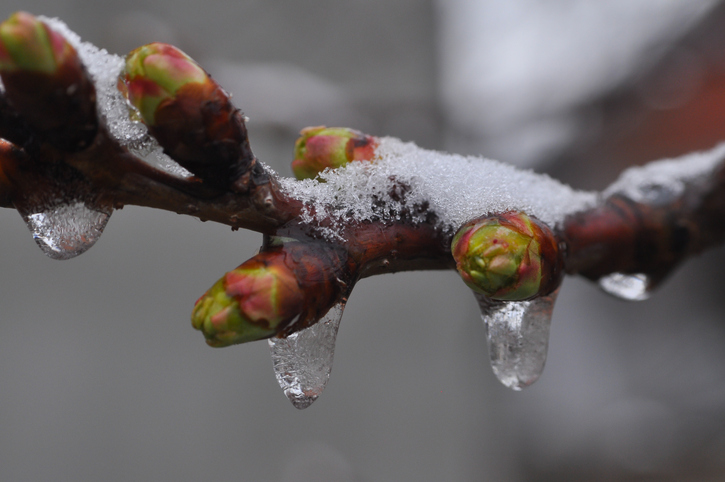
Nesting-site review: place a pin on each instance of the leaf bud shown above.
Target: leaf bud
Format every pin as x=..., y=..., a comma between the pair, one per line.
x=26, y=43
x=190, y=115
x=319, y=148
x=252, y=302
x=154, y=73
x=46, y=84
x=509, y=256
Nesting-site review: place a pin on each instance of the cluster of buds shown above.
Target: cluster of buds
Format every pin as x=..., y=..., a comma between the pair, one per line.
x=255, y=301
x=320, y=148
x=46, y=82
x=509, y=256
x=190, y=115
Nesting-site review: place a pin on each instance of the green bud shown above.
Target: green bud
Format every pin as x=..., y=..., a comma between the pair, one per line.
x=506, y=257
x=319, y=148
x=156, y=72
x=253, y=302
x=26, y=43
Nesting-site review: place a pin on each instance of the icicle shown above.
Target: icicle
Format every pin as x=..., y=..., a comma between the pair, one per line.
x=633, y=287
x=518, y=337
x=64, y=230
x=303, y=361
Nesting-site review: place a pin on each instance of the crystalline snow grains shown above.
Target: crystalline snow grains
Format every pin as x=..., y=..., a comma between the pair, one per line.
x=459, y=188
x=663, y=180
x=456, y=188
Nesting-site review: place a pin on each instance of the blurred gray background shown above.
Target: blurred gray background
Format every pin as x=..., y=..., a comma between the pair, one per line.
x=103, y=378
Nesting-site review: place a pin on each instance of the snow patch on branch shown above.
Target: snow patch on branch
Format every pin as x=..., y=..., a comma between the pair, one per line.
x=406, y=180
x=661, y=181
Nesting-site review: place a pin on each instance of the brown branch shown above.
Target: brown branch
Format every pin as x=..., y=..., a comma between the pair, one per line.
x=624, y=236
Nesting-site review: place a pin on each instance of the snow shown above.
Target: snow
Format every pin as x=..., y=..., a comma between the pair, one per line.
x=663, y=180
x=453, y=187
x=456, y=188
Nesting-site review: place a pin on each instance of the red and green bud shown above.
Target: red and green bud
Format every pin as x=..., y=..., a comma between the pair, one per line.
x=510, y=256
x=190, y=115
x=255, y=301
x=46, y=84
x=155, y=73
x=26, y=43
x=319, y=148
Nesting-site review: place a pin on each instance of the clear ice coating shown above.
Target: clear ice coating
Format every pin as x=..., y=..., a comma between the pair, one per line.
x=518, y=337
x=303, y=361
x=148, y=149
x=65, y=230
x=632, y=287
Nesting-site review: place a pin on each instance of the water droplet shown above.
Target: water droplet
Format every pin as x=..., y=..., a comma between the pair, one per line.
x=518, y=337
x=633, y=287
x=303, y=361
x=66, y=229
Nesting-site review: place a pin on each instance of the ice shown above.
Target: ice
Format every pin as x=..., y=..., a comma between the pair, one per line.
x=303, y=361
x=518, y=337
x=661, y=181
x=66, y=229
x=633, y=287
x=455, y=188
x=120, y=117
x=150, y=151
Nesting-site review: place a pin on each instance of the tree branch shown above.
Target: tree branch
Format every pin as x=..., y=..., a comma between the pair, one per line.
x=47, y=146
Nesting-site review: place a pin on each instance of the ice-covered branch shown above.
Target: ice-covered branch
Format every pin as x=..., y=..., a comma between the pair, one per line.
x=84, y=132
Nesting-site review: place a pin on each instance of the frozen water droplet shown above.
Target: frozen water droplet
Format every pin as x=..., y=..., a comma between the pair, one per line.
x=303, y=361
x=518, y=337
x=65, y=230
x=633, y=287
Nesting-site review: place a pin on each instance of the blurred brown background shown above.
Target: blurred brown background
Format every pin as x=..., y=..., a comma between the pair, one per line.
x=102, y=377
